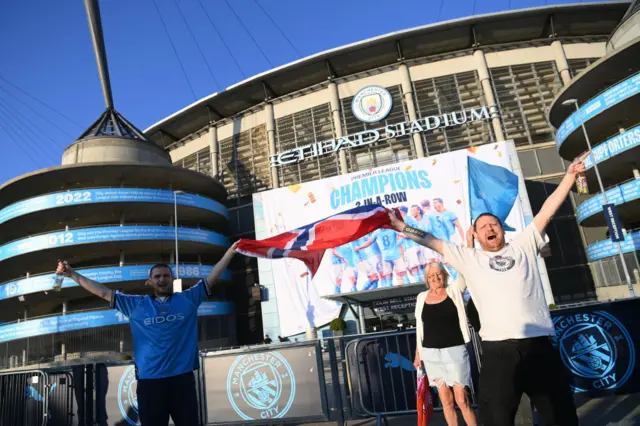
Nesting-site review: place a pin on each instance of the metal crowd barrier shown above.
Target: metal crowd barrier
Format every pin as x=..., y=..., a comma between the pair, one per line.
x=25, y=398
x=382, y=378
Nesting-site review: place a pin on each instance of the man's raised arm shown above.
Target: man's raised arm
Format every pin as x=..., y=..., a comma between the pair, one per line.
x=418, y=235
x=92, y=286
x=555, y=200
x=221, y=266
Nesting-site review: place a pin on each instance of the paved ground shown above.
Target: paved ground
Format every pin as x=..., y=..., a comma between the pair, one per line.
x=618, y=410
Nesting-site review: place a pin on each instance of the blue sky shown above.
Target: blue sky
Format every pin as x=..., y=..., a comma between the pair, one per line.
x=46, y=53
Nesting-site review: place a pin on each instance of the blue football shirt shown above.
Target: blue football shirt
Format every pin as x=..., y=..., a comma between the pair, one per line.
x=373, y=250
x=388, y=244
x=165, y=335
x=443, y=225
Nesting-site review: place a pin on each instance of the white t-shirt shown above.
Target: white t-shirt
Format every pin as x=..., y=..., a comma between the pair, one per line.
x=506, y=287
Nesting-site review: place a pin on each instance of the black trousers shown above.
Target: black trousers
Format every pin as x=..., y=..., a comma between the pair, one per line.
x=532, y=366
x=171, y=396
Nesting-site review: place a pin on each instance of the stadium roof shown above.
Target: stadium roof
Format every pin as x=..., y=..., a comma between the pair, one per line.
x=541, y=23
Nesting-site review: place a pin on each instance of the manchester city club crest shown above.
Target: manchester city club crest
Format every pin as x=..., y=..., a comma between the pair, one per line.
x=371, y=104
x=261, y=386
x=127, y=396
x=501, y=263
x=596, y=348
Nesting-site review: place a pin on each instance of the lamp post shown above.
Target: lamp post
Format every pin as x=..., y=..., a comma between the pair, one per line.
x=175, y=222
x=574, y=102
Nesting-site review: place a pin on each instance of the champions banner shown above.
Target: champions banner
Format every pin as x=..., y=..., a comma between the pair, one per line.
x=432, y=193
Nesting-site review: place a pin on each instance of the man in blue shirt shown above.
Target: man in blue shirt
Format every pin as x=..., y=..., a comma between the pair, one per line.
x=164, y=328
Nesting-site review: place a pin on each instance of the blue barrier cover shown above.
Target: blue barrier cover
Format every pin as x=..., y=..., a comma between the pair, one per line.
x=79, y=321
x=108, y=234
x=111, y=274
x=595, y=106
x=108, y=195
x=618, y=195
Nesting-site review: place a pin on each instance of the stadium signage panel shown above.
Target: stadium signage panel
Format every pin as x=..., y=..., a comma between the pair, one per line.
x=104, y=275
x=616, y=94
x=620, y=194
x=371, y=136
x=607, y=248
x=93, y=319
x=107, y=195
x=108, y=234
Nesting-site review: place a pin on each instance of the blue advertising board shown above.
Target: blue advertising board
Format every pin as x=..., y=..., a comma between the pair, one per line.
x=112, y=274
x=618, y=195
x=614, y=146
x=108, y=195
x=93, y=319
x=595, y=106
x=607, y=248
x=108, y=234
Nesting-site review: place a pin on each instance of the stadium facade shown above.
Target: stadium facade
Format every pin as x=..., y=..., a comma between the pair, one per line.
x=465, y=82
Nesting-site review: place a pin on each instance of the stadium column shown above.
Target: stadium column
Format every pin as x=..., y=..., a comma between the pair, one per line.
x=213, y=150
x=334, y=101
x=407, y=91
x=271, y=137
x=485, y=80
x=561, y=62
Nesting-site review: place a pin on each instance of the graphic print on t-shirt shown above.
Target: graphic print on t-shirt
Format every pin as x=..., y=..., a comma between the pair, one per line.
x=501, y=263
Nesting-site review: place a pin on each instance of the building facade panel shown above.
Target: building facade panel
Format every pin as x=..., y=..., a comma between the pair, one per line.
x=523, y=93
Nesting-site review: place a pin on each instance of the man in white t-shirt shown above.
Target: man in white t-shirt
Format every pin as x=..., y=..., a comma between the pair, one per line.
x=505, y=284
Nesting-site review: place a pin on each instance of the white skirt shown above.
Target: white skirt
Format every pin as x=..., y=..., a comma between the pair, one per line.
x=448, y=365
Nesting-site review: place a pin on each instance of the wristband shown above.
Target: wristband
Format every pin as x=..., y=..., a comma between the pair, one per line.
x=414, y=231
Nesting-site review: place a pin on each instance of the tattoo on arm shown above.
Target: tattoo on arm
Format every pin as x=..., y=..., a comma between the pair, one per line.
x=414, y=231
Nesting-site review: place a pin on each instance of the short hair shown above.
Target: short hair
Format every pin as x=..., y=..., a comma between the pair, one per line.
x=475, y=228
x=442, y=268
x=438, y=200
x=425, y=203
x=417, y=207
x=160, y=265
x=403, y=209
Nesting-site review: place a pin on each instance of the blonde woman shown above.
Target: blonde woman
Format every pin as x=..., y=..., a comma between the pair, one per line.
x=441, y=333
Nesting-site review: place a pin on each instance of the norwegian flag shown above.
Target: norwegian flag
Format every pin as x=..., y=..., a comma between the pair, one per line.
x=308, y=243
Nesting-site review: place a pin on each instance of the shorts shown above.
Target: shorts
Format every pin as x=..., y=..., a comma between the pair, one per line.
x=349, y=275
x=412, y=256
x=337, y=269
x=447, y=365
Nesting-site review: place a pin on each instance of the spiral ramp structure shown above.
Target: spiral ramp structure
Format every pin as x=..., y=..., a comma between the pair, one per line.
x=605, y=97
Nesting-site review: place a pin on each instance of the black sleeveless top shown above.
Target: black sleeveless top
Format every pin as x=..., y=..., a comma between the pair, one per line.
x=441, y=325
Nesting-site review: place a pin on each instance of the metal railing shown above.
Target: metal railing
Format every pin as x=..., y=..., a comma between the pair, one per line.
x=25, y=398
